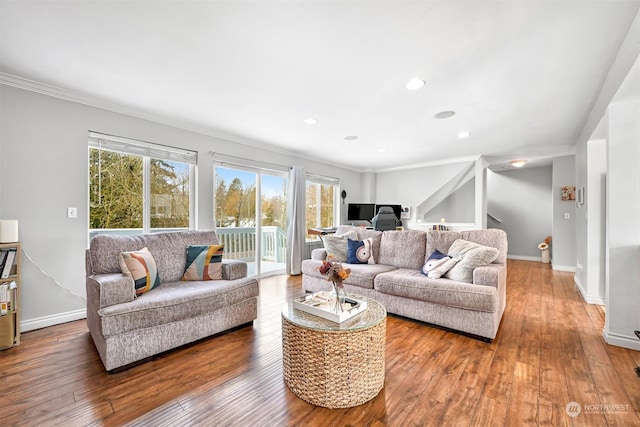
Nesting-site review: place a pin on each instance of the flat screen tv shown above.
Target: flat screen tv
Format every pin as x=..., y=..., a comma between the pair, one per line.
x=360, y=211
x=397, y=209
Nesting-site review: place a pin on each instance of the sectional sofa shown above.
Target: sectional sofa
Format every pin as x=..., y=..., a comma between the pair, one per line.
x=397, y=281
x=127, y=328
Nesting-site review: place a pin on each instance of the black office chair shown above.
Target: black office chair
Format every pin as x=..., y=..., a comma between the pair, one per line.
x=385, y=220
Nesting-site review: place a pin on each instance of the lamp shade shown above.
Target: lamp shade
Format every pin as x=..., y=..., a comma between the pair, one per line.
x=8, y=230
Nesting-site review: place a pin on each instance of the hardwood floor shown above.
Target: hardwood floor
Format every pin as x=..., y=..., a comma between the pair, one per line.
x=549, y=351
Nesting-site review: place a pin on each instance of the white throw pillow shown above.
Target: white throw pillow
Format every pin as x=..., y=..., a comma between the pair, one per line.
x=336, y=245
x=470, y=255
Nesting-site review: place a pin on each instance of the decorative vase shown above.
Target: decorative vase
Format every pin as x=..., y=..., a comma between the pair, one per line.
x=340, y=296
x=545, y=256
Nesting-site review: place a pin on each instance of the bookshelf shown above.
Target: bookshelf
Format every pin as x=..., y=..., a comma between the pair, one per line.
x=10, y=314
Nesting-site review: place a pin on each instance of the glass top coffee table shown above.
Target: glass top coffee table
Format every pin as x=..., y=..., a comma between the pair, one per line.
x=334, y=365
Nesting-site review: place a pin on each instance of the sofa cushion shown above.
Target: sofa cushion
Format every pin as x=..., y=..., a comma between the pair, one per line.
x=470, y=255
x=336, y=245
x=142, y=268
x=360, y=251
x=362, y=275
x=175, y=301
x=204, y=262
x=403, y=249
x=413, y=284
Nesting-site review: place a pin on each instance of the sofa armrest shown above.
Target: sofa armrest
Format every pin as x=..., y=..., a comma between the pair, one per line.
x=319, y=254
x=112, y=288
x=232, y=269
x=490, y=275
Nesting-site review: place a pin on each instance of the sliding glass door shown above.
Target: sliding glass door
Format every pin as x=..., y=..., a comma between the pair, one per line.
x=250, y=216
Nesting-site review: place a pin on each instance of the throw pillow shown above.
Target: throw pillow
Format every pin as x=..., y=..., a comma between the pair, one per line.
x=204, y=262
x=142, y=268
x=470, y=255
x=360, y=251
x=438, y=264
x=336, y=246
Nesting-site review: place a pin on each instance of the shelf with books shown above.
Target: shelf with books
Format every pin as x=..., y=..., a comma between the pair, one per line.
x=10, y=260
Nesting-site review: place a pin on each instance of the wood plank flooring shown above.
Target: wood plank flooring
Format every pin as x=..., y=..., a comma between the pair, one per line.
x=549, y=352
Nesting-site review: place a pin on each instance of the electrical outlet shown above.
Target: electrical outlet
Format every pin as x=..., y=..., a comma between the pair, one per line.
x=567, y=215
x=72, y=212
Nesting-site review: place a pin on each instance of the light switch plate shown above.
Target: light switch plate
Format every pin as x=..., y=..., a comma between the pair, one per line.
x=567, y=215
x=72, y=212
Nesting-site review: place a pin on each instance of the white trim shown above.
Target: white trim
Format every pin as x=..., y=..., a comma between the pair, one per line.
x=625, y=341
x=54, y=319
x=568, y=268
x=596, y=300
x=524, y=258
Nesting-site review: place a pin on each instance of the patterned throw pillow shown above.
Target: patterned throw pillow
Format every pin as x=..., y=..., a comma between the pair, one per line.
x=438, y=264
x=360, y=251
x=142, y=268
x=204, y=262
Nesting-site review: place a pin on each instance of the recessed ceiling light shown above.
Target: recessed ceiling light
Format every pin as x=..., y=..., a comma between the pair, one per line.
x=518, y=163
x=464, y=134
x=310, y=121
x=444, y=114
x=415, y=84
x=381, y=150
x=351, y=137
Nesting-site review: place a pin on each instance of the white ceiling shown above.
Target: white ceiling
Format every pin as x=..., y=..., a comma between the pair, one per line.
x=521, y=76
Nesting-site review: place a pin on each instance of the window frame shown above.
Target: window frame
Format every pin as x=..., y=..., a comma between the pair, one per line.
x=148, y=151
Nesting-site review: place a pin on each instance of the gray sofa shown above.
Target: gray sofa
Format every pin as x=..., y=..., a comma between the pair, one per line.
x=397, y=282
x=126, y=328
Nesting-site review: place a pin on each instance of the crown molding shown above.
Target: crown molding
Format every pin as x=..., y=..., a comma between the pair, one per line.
x=97, y=102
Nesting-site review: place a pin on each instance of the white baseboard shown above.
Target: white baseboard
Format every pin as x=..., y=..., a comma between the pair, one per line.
x=625, y=341
x=524, y=258
x=589, y=299
x=567, y=268
x=55, y=319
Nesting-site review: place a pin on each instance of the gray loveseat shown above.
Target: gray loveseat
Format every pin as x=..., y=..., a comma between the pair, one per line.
x=397, y=282
x=127, y=329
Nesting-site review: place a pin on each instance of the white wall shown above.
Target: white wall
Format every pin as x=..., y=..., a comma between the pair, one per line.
x=623, y=224
x=458, y=207
x=563, y=255
x=410, y=187
x=521, y=199
x=590, y=221
x=44, y=170
x=620, y=84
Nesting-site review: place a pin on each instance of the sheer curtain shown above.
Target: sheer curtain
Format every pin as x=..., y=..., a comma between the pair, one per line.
x=296, y=218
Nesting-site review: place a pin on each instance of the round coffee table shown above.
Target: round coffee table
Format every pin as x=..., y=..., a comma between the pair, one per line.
x=334, y=365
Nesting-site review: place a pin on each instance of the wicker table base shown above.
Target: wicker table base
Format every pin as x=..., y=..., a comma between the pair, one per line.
x=334, y=365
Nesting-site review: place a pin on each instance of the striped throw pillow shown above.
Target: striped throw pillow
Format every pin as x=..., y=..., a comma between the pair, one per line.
x=204, y=262
x=142, y=268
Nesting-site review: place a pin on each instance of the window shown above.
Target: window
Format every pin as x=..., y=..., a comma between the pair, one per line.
x=322, y=208
x=137, y=187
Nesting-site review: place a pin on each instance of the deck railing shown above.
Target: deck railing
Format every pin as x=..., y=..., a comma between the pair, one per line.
x=240, y=243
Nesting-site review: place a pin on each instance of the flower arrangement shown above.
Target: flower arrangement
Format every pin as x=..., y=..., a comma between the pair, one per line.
x=334, y=271
x=545, y=245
